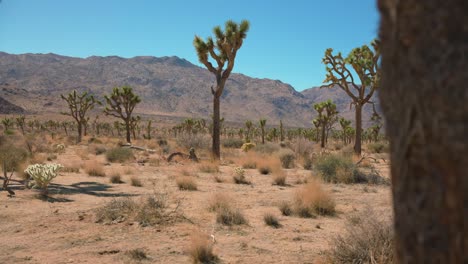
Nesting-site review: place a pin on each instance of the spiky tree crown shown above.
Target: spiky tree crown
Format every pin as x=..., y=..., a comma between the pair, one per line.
x=224, y=47
x=121, y=102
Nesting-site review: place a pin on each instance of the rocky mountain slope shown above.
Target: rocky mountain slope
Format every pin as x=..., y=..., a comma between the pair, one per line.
x=168, y=86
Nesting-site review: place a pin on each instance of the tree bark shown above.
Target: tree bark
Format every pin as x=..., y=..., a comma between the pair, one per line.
x=127, y=130
x=424, y=98
x=80, y=129
x=322, y=144
x=357, y=142
x=216, y=127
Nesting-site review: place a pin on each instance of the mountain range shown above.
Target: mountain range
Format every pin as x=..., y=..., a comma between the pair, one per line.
x=170, y=87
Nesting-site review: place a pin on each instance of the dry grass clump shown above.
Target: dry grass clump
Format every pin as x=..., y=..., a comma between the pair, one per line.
x=219, y=201
x=279, y=177
x=378, y=147
x=186, y=183
x=201, y=249
x=196, y=141
x=153, y=210
x=71, y=169
x=287, y=158
x=208, y=167
x=115, y=178
x=266, y=165
x=94, y=168
x=267, y=148
x=367, y=239
x=119, y=154
x=311, y=200
x=249, y=160
x=134, y=181
x=285, y=208
x=239, y=176
x=230, y=216
x=271, y=220
x=137, y=254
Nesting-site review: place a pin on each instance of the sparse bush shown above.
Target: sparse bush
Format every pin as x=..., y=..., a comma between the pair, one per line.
x=71, y=169
x=266, y=165
x=11, y=156
x=137, y=254
x=287, y=158
x=134, y=181
x=196, y=141
x=303, y=147
x=378, y=147
x=279, y=177
x=239, y=176
x=51, y=156
x=312, y=200
x=219, y=201
x=116, y=178
x=119, y=155
x=307, y=163
x=230, y=216
x=93, y=168
x=116, y=210
x=201, y=249
x=100, y=149
x=232, y=143
x=285, y=208
x=267, y=148
x=209, y=167
x=271, y=220
x=186, y=183
x=367, y=239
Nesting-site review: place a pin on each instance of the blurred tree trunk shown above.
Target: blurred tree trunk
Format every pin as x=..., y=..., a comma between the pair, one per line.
x=424, y=96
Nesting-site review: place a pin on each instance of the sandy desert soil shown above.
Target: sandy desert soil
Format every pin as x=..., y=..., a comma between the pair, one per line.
x=63, y=228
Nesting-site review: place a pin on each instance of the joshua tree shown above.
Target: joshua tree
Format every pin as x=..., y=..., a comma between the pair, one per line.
x=327, y=116
x=79, y=105
x=7, y=124
x=346, y=129
x=222, y=50
x=364, y=62
x=262, y=127
x=248, y=131
x=424, y=100
x=121, y=103
x=148, y=130
x=281, y=131
x=134, y=122
x=21, y=123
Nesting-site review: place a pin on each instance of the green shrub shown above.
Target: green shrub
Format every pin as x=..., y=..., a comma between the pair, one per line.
x=119, y=155
x=336, y=168
x=287, y=158
x=232, y=143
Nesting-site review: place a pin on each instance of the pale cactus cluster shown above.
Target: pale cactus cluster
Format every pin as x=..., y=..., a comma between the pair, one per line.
x=239, y=172
x=42, y=174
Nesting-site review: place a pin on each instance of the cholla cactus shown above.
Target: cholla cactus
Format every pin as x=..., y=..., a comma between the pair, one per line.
x=247, y=146
x=60, y=148
x=239, y=172
x=42, y=175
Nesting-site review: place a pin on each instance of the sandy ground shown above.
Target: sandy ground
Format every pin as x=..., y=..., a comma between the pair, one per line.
x=63, y=229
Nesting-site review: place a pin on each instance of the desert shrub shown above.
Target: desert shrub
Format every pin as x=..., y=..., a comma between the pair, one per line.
x=271, y=220
x=267, y=148
x=239, y=176
x=232, y=143
x=137, y=254
x=99, y=149
x=367, y=239
x=287, y=158
x=336, y=168
x=116, y=210
x=248, y=146
x=303, y=147
x=201, y=249
x=12, y=156
x=119, y=154
x=116, y=178
x=307, y=163
x=312, y=199
x=134, y=181
x=186, y=183
x=219, y=201
x=208, y=167
x=71, y=169
x=279, y=177
x=161, y=142
x=230, y=216
x=93, y=168
x=196, y=141
x=51, y=156
x=378, y=147
x=266, y=165
x=285, y=208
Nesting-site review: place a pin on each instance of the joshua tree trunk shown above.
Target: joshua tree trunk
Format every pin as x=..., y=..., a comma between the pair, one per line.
x=322, y=144
x=357, y=142
x=424, y=99
x=127, y=131
x=80, y=129
x=216, y=127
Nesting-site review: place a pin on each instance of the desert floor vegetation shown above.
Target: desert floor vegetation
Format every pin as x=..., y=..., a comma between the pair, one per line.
x=277, y=203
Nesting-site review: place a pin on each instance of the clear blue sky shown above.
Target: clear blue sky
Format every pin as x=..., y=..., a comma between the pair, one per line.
x=287, y=39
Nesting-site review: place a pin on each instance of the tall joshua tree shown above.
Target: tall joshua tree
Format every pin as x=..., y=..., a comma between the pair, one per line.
x=79, y=105
x=121, y=103
x=223, y=49
x=363, y=61
x=423, y=96
x=262, y=127
x=327, y=116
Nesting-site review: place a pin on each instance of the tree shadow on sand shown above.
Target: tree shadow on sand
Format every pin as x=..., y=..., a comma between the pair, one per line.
x=90, y=188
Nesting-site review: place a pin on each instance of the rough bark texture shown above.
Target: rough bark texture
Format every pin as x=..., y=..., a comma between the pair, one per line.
x=424, y=98
x=357, y=142
x=216, y=127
